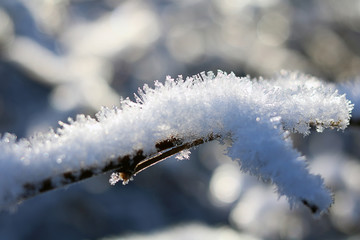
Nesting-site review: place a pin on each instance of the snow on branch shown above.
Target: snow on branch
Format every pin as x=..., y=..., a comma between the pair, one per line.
x=352, y=90
x=255, y=114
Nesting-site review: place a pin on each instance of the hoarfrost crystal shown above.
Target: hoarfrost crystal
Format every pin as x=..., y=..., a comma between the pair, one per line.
x=255, y=114
x=185, y=154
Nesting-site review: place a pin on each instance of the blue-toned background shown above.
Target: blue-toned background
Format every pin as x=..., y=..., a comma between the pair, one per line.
x=59, y=58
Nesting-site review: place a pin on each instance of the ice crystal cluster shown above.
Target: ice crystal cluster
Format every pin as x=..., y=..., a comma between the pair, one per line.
x=257, y=115
x=352, y=90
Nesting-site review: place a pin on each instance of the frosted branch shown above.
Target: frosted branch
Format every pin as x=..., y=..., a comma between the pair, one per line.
x=352, y=90
x=256, y=115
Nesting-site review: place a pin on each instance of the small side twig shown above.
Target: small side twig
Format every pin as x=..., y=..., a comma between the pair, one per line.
x=354, y=122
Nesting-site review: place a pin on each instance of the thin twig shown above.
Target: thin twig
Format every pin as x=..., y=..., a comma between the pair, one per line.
x=354, y=122
x=127, y=166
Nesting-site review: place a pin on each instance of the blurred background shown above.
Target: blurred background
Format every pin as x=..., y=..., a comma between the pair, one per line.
x=59, y=58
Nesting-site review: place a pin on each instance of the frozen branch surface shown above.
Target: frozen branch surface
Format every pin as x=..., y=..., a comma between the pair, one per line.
x=257, y=115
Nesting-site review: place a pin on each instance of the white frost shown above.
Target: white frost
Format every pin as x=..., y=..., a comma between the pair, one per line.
x=185, y=154
x=352, y=90
x=255, y=114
